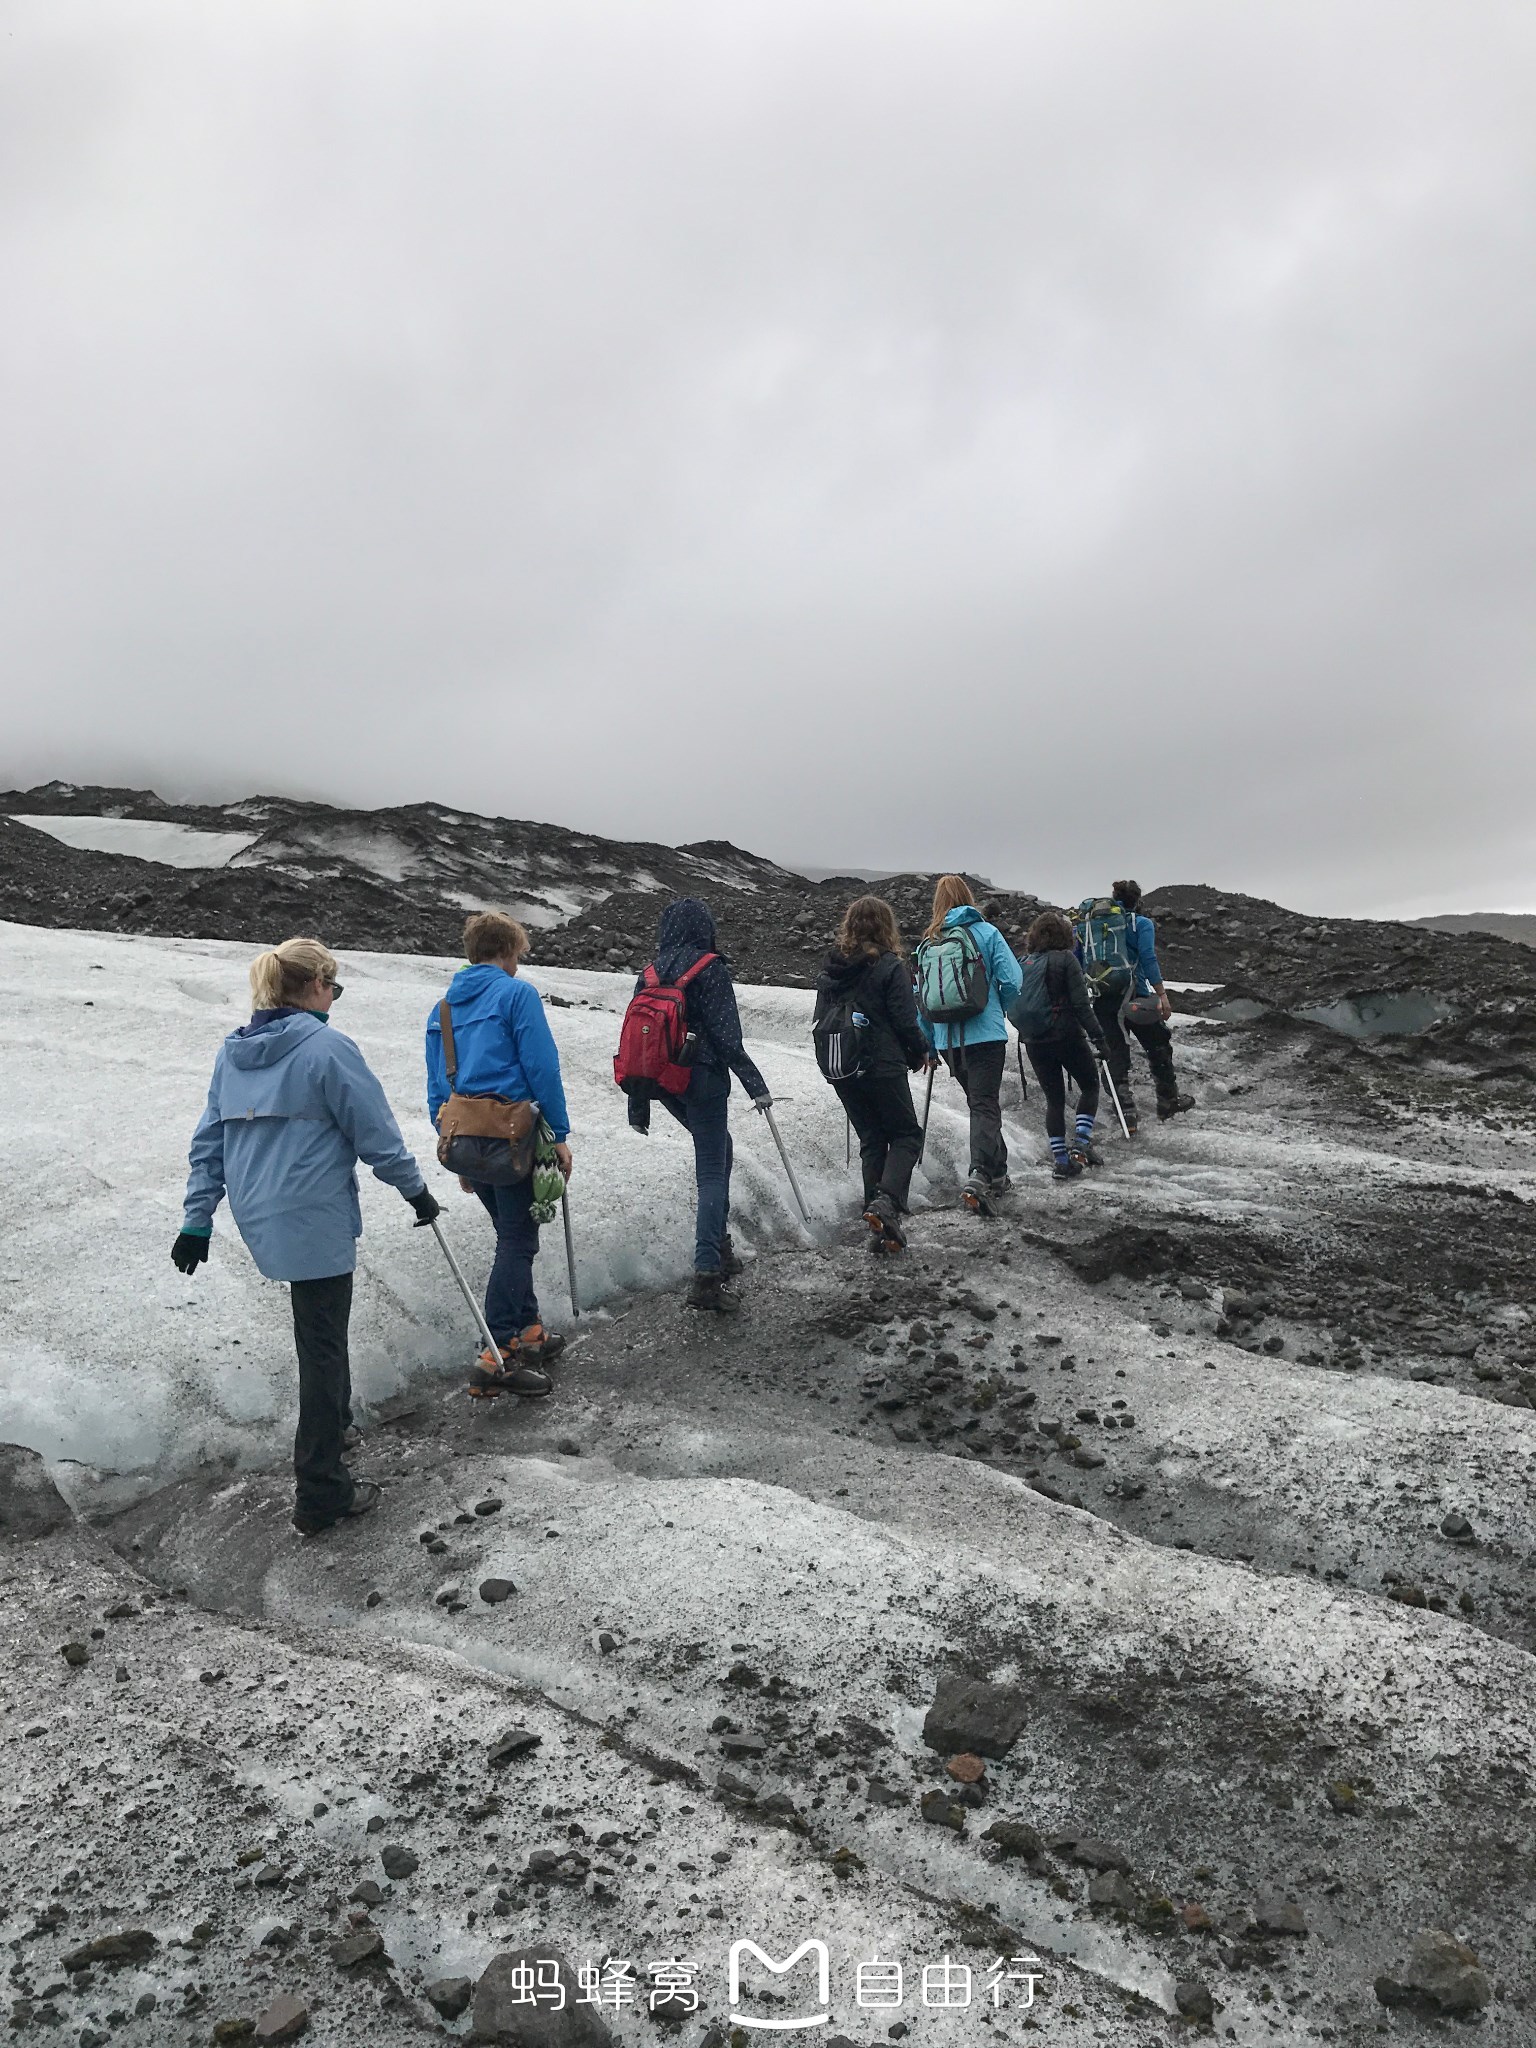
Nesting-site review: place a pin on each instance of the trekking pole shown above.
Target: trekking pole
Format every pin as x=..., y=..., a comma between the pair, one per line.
x=1114, y=1096
x=848, y=1143
x=767, y=1110
x=927, y=1105
x=474, y=1307
x=570, y=1254
x=1018, y=1046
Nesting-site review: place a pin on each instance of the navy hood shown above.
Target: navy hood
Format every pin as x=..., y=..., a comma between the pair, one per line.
x=686, y=930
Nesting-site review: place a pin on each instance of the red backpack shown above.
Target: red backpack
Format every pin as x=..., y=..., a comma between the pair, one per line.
x=654, y=1034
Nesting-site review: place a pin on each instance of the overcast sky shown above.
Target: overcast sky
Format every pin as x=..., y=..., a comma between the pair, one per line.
x=1057, y=440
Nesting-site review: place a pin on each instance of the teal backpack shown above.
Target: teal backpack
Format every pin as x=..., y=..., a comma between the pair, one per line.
x=952, y=984
x=1103, y=926
x=1041, y=1008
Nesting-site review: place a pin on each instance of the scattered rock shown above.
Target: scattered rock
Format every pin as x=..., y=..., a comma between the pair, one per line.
x=75, y=1655
x=516, y=1742
x=1112, y=1888
x=1443, y=1974
x=1092, y=1853
x=1343, y=1797
x=743, y=1743
x=732, y=1785
x=879, y=1793
x=1457, y=1527
x=1194, y=2000
x=369, y=1893
x=492, y=1505
x=970, y=1714
x=132, y=1945
x=940, y=1811
x=285, y=2019
x=494, y=1591
x=399, y=1861
x=1015, y=1838
x=450, y=1996
x=966, y=1770
x=1273, y=1913
x=363, y=1947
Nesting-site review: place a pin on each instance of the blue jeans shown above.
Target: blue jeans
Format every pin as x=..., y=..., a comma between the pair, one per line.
x=510, y=1302
x=704, y=1114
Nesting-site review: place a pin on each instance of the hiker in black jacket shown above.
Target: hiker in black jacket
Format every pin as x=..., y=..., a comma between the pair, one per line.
x=687, y=932
x=865, y=968
x=1054, y=1015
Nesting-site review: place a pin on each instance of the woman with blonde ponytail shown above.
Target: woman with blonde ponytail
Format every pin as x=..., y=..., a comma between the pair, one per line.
x=291, y=1109
x=967, y=978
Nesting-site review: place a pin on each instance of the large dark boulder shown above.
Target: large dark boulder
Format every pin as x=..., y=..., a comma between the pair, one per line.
x=502, y=2011
x=972, y=1714
x=30, y=1504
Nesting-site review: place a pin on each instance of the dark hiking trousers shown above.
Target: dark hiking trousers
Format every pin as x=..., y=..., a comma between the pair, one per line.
x=880, y=1109
x=704, y=1112
x=979, y=1070
x=321, y=1311
x=510, y=1302
x=1156, y=1042
x=1054, y=1061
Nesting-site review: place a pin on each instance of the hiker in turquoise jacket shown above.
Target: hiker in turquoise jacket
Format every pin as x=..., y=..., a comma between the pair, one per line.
x=977, y=1050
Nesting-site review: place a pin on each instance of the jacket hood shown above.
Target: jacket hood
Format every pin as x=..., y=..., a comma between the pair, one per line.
x=964, y=913
x=470, y=982
x=686, y=929
x=687, y=922
x=842, y=972
x=265, y=1044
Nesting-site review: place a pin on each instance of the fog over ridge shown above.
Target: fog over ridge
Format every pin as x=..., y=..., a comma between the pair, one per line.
x=1049, y=441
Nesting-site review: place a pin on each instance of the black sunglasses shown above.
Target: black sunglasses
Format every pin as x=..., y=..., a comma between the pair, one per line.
x=335, y=987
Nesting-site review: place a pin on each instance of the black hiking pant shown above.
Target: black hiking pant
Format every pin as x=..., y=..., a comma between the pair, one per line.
x=1156, y=1042
x=321, y=1312
x=1054, y=1061
x=979, y=1070
x=880, y=1109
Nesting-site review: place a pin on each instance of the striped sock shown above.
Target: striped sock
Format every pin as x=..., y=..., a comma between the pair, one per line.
x=1059, y=1150
x=1084, y=1127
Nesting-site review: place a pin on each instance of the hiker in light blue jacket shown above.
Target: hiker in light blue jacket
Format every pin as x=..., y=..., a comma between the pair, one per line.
x=975, y=1048
x=291, y=1109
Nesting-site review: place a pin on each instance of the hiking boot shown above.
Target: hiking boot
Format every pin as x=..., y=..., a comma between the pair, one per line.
x=884, y=1220
x=507, y=1374
x=539, y=1347
x=351, y=1440
x=1085, y=1150
x=365, y=1498
x=1001, y=1184
x=709, y=1291
x=730, y=1258
x=1066, y=1169
x=976, y=1195
x=1170, y=1105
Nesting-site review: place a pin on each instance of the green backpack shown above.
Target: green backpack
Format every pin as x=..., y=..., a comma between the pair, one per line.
x=1103, y=926
x=952, y=984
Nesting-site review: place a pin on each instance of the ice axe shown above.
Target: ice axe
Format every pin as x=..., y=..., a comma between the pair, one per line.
x=570, y=1253
x=474, y=1307
x=1114, y=1096
x=766, y=1108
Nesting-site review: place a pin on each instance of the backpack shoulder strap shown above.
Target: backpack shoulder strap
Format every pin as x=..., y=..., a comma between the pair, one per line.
x=698, y=967
x=650, y=977
x=450, y=1054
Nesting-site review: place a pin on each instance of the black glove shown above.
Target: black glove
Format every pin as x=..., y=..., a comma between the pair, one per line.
x=189, y=1251
x=428, y=1208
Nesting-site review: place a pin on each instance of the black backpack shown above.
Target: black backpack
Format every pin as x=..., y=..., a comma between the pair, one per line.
x=1039, y=1008
x=841, y=1036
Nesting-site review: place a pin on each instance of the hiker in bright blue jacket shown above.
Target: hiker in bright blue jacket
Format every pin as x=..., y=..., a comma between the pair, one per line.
x=291, y=1109
x=976, y=1049
x=504, y=1046
x=685, y=934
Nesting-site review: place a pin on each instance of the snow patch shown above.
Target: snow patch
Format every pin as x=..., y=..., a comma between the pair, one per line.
x=172, y=846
